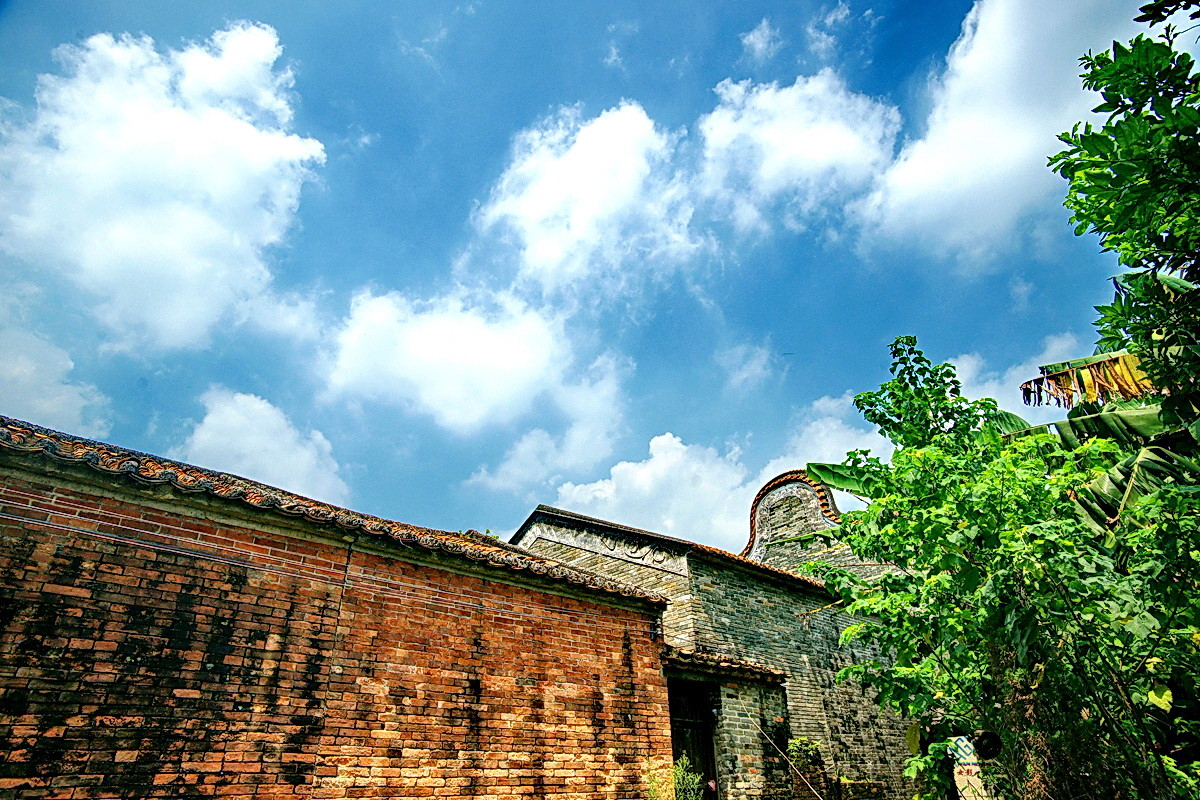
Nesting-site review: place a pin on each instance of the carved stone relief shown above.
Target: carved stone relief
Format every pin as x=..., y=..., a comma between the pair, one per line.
x=624, y=548
x=633, y=550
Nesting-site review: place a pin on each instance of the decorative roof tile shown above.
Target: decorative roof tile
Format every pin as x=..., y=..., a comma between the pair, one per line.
x=117, y=463
x=828, y=509
x=718, y=664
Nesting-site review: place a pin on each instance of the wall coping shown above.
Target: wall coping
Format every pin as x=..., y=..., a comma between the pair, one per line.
x=683, y=546
x=828, y=509
x=718, y=665
x=117, y=465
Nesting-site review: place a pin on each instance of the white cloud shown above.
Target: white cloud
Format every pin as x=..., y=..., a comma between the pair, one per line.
x=613, y=58
x=604, y=204
x=471, y=362
x=1010, y=85
x=586, y=197
x=746, y=366
x=762, y=43
x=693, y=492
x=618, y=31
x=979, y=381
x=593, y=407
x=803, y=144
x=245, y=435
x=683, y=490
x=822, y=39
x=428, y=46
x=825, y=431
x=35, y=386
x=290, y=315
x=464, y=364
x=168, y=175
x=1019, y=291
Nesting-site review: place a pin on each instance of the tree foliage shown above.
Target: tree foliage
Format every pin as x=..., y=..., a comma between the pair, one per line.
x=1135, y=181
x=1157, y=317
x=1160, y=10
x=1044, y=577
x=1007, y=611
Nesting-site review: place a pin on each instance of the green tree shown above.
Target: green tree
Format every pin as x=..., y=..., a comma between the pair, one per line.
x=1007, y=611
x=1135, y=181
x=1044, y=577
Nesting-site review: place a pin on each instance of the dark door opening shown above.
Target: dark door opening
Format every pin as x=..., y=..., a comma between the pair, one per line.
x=693, y=725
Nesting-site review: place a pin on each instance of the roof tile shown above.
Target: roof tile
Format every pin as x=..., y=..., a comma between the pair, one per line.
x=116, y=462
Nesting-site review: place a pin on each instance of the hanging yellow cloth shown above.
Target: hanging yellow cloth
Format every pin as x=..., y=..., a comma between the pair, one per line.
x=1112, y=376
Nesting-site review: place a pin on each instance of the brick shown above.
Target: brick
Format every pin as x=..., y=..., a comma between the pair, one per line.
x=70, y=591
x=147, y=673
x=719, y=607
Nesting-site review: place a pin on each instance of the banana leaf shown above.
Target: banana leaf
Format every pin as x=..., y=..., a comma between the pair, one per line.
x=842, y=477
x=1101, y=503
x=1128, y=427
x=1076, y=363
x=1086, y=409
x=1007, y=422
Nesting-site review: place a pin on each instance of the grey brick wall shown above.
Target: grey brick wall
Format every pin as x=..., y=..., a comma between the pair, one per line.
x=751, y=730
x=792, y=511
x=760, y=620
x=720, y=608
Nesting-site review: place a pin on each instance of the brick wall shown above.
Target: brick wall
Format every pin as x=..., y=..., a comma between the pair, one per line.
x=751, y=730
x=759, y=619
x=661, y=568
x=156, y=644
x=790, y=511
x=721, y=607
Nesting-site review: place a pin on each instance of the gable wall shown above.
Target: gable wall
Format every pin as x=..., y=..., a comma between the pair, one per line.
x=152, y=645
x=792, y=510
x=626, y=559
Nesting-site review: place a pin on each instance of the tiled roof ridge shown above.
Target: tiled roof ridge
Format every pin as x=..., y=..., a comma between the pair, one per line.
x=723, y=663
x=25, y=437
x=828, y=509
x=705, y=549
x=758, y=565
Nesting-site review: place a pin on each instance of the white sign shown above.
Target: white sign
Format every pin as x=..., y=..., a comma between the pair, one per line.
x=966, y=770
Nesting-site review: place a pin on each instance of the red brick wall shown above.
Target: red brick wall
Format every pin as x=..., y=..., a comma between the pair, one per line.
x=152, y=653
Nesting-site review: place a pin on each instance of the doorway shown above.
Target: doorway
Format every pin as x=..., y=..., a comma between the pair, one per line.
x=694, y=705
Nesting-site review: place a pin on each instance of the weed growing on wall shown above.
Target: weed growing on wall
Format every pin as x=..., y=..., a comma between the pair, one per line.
x=684, y=782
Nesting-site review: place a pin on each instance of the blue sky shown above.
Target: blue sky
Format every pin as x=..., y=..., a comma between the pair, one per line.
x=441, y=262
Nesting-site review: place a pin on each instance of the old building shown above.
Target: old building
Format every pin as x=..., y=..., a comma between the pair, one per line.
x=167, y=631
x=753, y=645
